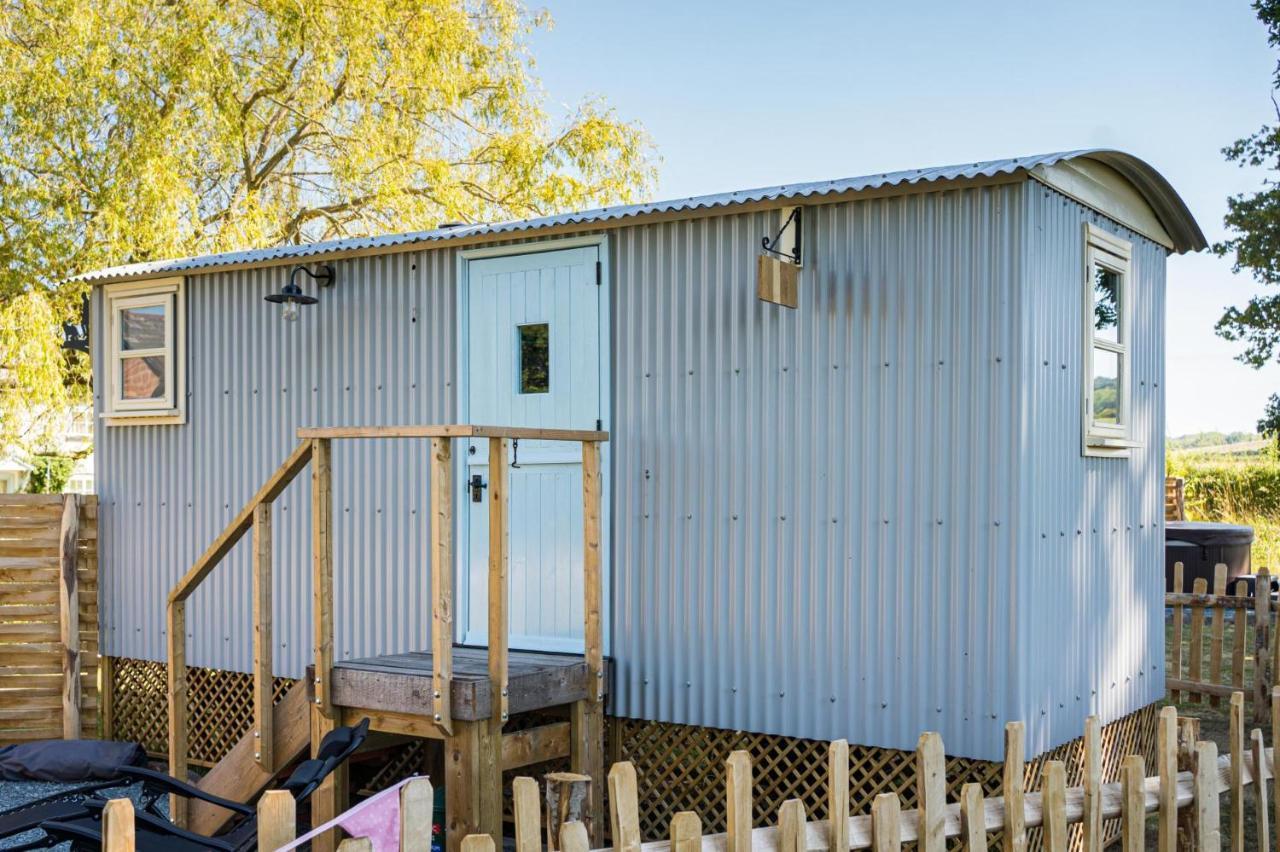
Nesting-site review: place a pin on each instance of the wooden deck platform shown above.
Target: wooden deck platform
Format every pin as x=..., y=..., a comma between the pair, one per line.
x=401, y=683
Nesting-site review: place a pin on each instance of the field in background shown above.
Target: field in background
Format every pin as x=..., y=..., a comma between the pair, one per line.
x=1235, y=480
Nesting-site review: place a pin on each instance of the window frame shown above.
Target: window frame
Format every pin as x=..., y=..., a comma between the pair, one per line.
x=1105, y=250
x=171, y=407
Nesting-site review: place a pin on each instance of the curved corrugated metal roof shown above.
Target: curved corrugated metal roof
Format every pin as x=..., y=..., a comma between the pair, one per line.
x=1164, y=200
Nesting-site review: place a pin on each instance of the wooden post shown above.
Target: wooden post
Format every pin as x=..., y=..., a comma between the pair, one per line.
x=478, y=843
x=177, y=676
x=1015, y=827
x=1261, y=645
x=1235, y=734
x=624, y=814
x=931, y=791
x=1205, y=782
x=1195, y=653
x=791, y=826
x=1167, y=768
x=1176, y=641
x=462, y=783
x=107, y=696
x=1239, y=633
x=838, y=795
x=417, y=806
x=1258, y=764
x=442, y=581
x=1215, y=642
x=586, y=758
x=69, y=615
x=686, y=832
x=1133, y=804
x=588, y=716
x=524, y=810
x=1188, y=736
x=277, y=819
x=117, y=826
x=1053, y=803
x=738, y=802
x=568, y=800
x=886, y=823
x=328, y=800
x=573, y=837
x=1092, y=785
x=973, y=821
x=498, y=584
x=356, y=844
x=263, y=669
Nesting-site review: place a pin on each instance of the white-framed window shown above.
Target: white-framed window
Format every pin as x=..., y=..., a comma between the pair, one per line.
x=1108, y=329
x=145, y=347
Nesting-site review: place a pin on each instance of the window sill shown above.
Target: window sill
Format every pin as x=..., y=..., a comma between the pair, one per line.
x=1097, y=446
x=157, y=417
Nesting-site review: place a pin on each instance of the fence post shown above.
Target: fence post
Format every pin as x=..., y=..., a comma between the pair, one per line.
x=1133, y=804
x=886, y=823
x=1235, y=731
x=573, y=837
x=973, y=819
x=1215, y=642
x=1261, y=645
x=791, y=826
x=1188, y=736
x=838, y=796
x=1015, y=827
x=117, y=826
x=1176, y=642
x=1239, y=633
x=686, y=832
x=477, y=843
x=417, y=806
x=1053, y=786
x=1195, y=652
x=524, y=807
x=1258, y=749
x=624, y=813
x=1167, y=769
x=277, y=819
x=69, y=615
x=931, y=790
x=738, y=802
x=1208, y=834
x=1092, y=784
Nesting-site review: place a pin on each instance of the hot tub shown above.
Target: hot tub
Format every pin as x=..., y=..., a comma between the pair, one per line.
x=1199, y=546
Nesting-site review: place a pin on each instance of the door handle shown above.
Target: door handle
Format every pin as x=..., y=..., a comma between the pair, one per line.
x=477, y=485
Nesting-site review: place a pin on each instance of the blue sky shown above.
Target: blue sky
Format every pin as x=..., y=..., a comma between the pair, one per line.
x=753, y=93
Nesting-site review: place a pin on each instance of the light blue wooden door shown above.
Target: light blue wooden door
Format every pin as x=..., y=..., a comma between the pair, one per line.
x=533, y=359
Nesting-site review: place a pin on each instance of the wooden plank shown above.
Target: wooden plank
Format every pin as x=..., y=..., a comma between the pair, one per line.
x=1195, y=652
x=322, y=570
x=931, y=792
x=1235, y=745
x=525, y=811
x=451, y=431
x=1053, y=798
x=1092, y=831
x=1014, y=837
x=1133, y=805
x=117, y=826
x=499, y=586
x=417, y=809
x=777, y=281
x=442, y=581
x=1167, y=770
x=592, y=489
x=838, y=795
x=686, y=832
x=1258, y=769
x=69, y=616
x=406, y=724
x=1215, y=642
x=886, y=823
x=973, y=829
x=1207, y=786
x=535, y=745
x=177, y=689
x=277, y=819
x=738, y=802
x=1195, y=687
x=263, y=670
x=624, y=807
x=270, y=490
x=790, y=827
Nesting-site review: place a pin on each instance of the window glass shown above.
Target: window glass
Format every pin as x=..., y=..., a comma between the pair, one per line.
x=142, y=378
x=142, y=327
x=535, y=357
x=1106, y=304
x=1106, y=386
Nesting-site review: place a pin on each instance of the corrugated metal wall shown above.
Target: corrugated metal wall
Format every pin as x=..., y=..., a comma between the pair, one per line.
x=816, y=513
x=1091, y=548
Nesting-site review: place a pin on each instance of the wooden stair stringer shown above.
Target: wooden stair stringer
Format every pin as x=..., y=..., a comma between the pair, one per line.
x=239, y=777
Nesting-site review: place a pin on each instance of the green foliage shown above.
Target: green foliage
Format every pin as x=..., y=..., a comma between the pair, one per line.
x=50, y=472
x=1253, y=220
x=1210, y=439
x=138, y=129
x=1235, y=491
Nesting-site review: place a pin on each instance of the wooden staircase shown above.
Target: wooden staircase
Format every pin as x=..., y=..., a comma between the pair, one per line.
x=239, y=776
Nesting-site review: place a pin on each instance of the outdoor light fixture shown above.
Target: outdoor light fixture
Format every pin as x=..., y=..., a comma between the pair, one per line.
x=291, y=295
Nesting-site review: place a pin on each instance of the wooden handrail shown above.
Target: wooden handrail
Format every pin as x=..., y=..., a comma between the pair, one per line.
x=453, y=430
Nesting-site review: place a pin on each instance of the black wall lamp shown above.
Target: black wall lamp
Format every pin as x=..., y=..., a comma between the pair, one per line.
x=291, y=295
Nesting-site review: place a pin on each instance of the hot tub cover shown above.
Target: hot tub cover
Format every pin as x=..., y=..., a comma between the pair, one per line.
x=1206, y=534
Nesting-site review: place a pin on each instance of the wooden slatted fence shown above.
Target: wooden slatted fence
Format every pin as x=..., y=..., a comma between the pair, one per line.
x=48, y=616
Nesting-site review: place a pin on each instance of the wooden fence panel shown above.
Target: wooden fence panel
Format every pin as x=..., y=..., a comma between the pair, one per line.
x=40, y=575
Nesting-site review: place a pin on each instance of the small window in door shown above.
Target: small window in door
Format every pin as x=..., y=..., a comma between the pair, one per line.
x=535, y=357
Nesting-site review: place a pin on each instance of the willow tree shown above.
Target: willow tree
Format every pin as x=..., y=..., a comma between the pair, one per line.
x=137, y=129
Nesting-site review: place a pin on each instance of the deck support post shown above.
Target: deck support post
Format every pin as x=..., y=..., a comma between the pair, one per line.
x=329, y=799
x=442, y=582
x=587, y=716
x=586, y=756
x=473, y=783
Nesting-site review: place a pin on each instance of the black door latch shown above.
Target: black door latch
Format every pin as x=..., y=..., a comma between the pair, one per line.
x=477, y=485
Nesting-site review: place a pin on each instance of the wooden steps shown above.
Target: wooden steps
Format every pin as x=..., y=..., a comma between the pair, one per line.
x=238, y=775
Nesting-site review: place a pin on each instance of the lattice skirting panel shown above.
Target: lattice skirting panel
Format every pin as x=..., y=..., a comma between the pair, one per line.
x=681, y=767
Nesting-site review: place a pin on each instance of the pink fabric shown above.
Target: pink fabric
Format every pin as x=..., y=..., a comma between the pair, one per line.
x=377, y=818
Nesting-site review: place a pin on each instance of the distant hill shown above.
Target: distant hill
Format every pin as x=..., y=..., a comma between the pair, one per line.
x=1206, y=440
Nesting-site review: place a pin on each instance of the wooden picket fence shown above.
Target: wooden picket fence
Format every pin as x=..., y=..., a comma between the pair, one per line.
x=1192, y=676
x=1184, y=793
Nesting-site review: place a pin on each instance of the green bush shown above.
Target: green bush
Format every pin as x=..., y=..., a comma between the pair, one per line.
x=1234, y=490
x=49, y=473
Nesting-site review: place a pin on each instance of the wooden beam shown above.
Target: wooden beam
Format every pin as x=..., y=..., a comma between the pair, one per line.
x=451, y=431
x=263, y=669
x=322, y=570
x=177, y=677
x=69, y=616
x=442, y=581
x=240, y=525
x=499, y=542
x=535, y=745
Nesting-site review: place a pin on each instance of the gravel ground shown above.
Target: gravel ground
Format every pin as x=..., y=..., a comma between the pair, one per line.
x=15, y=793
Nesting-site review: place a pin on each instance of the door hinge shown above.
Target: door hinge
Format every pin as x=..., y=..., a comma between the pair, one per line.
x=599, y=274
